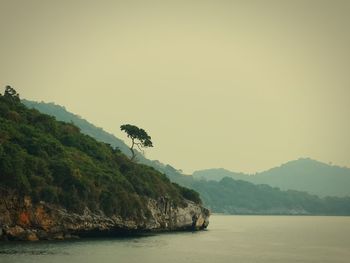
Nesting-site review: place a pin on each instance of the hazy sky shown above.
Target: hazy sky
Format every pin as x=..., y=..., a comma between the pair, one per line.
x=244, y=85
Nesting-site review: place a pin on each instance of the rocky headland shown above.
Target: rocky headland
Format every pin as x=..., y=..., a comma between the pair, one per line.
x=21, y=219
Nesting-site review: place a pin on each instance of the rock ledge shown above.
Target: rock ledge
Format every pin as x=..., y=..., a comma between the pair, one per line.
x=20, y=219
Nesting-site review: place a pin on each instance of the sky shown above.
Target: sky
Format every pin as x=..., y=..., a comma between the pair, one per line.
x=243, y=85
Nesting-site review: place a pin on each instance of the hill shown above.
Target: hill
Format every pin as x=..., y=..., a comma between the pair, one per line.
x=231, y=196
x=303, y=174
x=216, y=174
x=45, y=161
x=61, y=114
x=223, y=196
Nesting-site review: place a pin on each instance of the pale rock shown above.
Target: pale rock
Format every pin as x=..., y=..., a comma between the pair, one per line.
x=47, y=221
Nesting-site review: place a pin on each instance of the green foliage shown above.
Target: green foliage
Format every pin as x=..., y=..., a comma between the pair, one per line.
x=135, y=132
x=61, y=114
x=240, y=197
x=11, y=95
x=189, y=194
x=52, y=161
x=138, y=136
x=303, y=174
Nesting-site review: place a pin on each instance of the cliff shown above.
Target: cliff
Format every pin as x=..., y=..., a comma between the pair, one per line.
x=20, y=219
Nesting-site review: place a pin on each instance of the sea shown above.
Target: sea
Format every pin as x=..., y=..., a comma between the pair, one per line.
x=240, y=239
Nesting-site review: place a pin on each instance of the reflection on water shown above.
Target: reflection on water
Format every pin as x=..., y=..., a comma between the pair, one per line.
x=63, y=247
x=228, y=239
x=12, y=251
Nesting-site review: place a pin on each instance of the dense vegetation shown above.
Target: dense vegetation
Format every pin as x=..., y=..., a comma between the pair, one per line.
x=53, y=161
x=240, y=197
x=224, y=195
x=61, y=114
x=303, y=174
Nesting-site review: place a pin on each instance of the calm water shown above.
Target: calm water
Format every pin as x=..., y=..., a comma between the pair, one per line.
x=229, y=239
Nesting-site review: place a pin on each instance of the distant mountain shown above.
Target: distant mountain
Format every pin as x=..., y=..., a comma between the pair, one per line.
x=231, y=196
x=303, y=174
x=216, y=174
x=223, y=195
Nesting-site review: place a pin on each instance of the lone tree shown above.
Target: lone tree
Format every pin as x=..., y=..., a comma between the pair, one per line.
x=139, y=138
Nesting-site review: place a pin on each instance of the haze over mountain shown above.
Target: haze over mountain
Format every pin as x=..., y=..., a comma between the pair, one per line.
x=61, y=113
x=303, y=174
x=224, y=196
x=257, y=82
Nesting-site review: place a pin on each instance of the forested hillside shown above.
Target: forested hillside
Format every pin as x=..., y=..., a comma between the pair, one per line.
x=303, y=174
x=240, y=197
x=53, y=161
x=225, y=196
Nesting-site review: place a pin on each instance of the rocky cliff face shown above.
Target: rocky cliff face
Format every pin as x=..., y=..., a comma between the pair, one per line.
x=20, y=219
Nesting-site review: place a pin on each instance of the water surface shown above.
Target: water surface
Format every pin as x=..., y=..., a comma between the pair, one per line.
x=228, y=239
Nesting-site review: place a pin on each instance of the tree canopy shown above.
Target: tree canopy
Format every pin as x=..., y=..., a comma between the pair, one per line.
x=138, y=136
x=11, y=94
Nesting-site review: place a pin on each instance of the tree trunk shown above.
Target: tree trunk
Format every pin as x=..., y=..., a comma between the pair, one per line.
x=132, y=150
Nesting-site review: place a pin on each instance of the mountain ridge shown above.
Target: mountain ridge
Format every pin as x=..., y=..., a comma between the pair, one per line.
x=303, y=174
x=242, y=197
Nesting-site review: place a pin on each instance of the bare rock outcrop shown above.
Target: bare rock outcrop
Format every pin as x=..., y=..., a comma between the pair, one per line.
x=20, y=219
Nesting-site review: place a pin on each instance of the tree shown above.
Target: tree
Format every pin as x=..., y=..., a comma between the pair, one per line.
x=139, y=137
x=12, y=94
